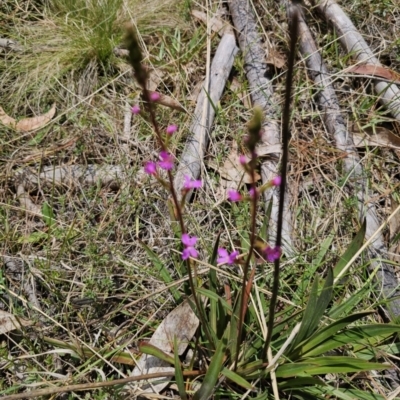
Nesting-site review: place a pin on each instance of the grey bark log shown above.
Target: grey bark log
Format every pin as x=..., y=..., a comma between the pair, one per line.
x=355, y=44
x=336, y=126
x=196, y=145
x=261, y=92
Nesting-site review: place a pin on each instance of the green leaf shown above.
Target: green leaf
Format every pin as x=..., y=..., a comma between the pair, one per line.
x=216, y=365
x=178, y=372
x=379, y=351
x=48, y=215
x=299, y=382
x=152, y=350
x=215, y=297
x=162, y=270
x=326, y=365
x=354, y=246
x=327, y=333
x=315, y=309
x=214, y=286
x=234, y=377
x=358, y=337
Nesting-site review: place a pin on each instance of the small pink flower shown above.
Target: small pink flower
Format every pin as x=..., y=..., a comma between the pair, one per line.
x=234, y=195
x=276, y=181
x=154, y=96
x=167, y=162
x=225, y=258
x=253, y=192
x=171, y=129
x=272, y=253
x=135, y=109
x=242, y=159
x=191, y=184
x=150, y=168
x=189, y=242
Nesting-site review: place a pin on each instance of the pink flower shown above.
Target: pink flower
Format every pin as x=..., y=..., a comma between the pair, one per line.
x=225, y=258
x=135, y=109
x=242, y=159
x=189, y=242
x=171, y=129
x=191, y=184
x=234, y=195
x=276, y=181
x=167, y=162
x=154, y=96
x=272, y=253
x=253, y=192
x=150, y=168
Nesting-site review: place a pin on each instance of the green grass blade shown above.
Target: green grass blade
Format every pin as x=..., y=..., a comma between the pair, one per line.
x=328, y=332
x=207, y=388
x=234, y=377
x=162, y=270
x=327, y=365
x=315, y=308
x=354, y=246
x=178, y=372
x=152, y=350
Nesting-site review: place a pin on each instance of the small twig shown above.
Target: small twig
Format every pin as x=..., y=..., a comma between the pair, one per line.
x=95, y=385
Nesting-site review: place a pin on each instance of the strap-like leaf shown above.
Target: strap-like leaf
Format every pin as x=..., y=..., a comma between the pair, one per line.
x=207, y=388
x=354, y=246
x=178, y=372
x=326, y=365
x=315, y=308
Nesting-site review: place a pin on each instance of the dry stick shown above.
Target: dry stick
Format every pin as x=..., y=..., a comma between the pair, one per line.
x=355, y=44
x=336, y=126
x=94, y=385
x=193, y=154
x=261, y=95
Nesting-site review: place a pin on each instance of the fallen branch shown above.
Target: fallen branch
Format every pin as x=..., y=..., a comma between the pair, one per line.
x=196, y=145
x=355, y=44
x=336, y=126
x=261, y=92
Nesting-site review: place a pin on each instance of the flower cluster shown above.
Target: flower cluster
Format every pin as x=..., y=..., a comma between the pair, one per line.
x=235, y=196
x=225, y=258
x=189, y=250
x=272, y=253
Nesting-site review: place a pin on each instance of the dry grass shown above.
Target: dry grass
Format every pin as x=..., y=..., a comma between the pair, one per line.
x=91, y=280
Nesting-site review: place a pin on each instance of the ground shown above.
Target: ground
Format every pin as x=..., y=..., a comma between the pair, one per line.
x=87, y=260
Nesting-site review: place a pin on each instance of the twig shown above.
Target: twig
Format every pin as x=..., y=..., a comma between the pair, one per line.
x=193, y=154
x=355, y=44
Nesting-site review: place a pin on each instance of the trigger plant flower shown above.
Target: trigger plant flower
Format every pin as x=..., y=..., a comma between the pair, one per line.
x=225, y=258
x=234, y=195
x=189, y=242
x=167, y=162
x=191, y=184
x=150, y=168
x=135, y=109
x=171, y=129
x=276, y=181
x=272, y=253
x=154, y=96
